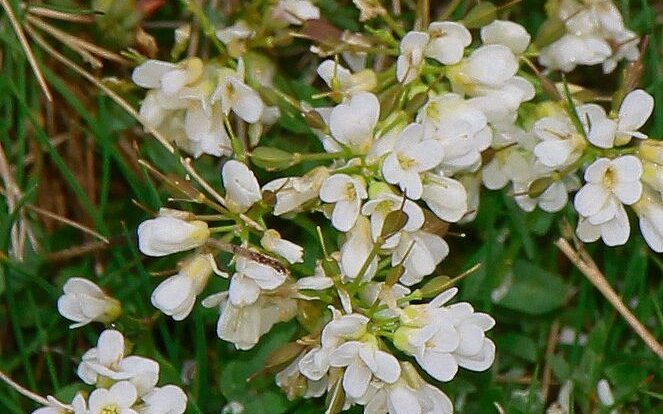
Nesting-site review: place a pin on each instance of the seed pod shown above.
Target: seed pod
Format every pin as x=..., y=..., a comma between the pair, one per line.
x=282, y=356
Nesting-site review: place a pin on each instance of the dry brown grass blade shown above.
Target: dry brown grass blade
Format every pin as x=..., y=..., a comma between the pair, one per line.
x=91, y=78
x=21, y=229
x=82, y=47
x=582, y=260
x=26, y=47
x=58, y=15
x=24, y=391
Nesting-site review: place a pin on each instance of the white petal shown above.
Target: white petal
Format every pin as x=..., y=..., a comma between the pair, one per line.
x=506, y=33
x=345, y=354
x=388, y=368
x=149, y=74
x=636, y=108
x=352, y=123
x=492, y=64
x=110, y=347
x=356, y=379
x=589, y=200
x=246, y=102
x=441, y=366
x=243, y=291
x=482, y=361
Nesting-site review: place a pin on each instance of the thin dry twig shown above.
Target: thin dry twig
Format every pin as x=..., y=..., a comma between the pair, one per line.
x=58, y=15
x=70, y=253
x=26, y=47
x=111, y=94
x=553, y=338
x=583, y=261
x=82, y=47
x=24, y=391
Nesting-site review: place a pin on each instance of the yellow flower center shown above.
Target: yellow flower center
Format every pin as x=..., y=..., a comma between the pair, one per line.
x=110, y=409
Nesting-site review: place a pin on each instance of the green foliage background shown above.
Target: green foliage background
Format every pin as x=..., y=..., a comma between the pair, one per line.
x=39, y=351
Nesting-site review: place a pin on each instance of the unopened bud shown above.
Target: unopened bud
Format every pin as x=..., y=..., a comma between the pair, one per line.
x=394, y=275
x=271, y=158
x=393, y=223
x=550, y=31
x=436, y=286
x=314, y=120
x=480, y=15
x=283, y=355
x=539, y=186
x=416, y=102
x=651, y=150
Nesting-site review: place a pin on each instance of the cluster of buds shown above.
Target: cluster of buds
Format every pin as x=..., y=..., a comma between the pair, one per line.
x=407, y=144
x=124, y=383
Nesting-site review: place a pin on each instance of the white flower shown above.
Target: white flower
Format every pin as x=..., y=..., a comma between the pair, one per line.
x=168, y=77
x=509, y=34
x=108, y=361
x=626, y=43
x=420, y=253
x=408, y=65
x=357, y=250
x=233, y=94
x=242, y=188
x=408, y=397
x=290, y=251
x=119, y=398
x=346, y=193
x=363, y=361
x=250, y=279
x=167, y=235
x=295, y=11
x=571, y=50
x=442, y=338
x=77, y=406
x=448, y=41
x=84, y=302
x=561, y=144
x=352, y=123
x=461, y=128
x=650, y=212
x=290, y=381
x=244, y=325
x=384, y=203
x=633, y=113
x=168, y=399
x=314, y=365
x=606, y=180
x=340, y=79
x=604, y=392
x=489, y=66
x=614, y=231
x=411, y=155
x=176, y=295
x=238, y=31
x=292, y=192
x=446, y=197
x=205, y=132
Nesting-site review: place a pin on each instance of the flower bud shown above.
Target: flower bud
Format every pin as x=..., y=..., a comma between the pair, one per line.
x=393, y=223
x=651, y=150
x=539, y=186
x=167, y=235
x=551, y=30
x=436, y=286
x=271, y=159
x=480, y=15
x=84, y=302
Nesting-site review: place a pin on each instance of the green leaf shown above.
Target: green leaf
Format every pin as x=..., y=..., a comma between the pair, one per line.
x=533, y=290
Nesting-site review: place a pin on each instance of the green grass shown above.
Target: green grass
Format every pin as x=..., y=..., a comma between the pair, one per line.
x=39, y=351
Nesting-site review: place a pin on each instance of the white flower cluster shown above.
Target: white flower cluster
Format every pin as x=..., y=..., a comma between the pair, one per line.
x=406, y=148
x=190, y=101
x=592, y=33
x=125, y=384
x=352, y=353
